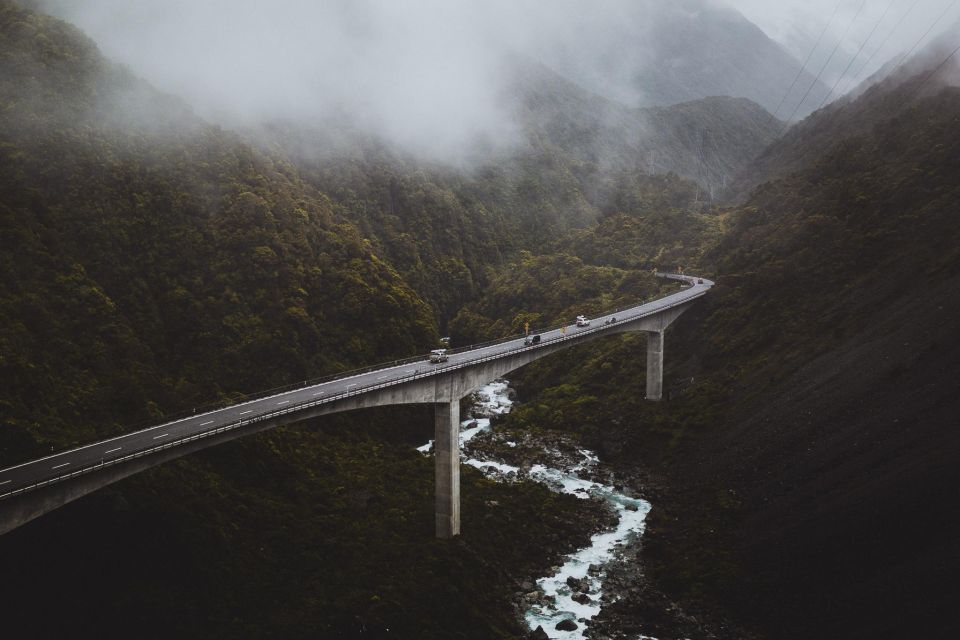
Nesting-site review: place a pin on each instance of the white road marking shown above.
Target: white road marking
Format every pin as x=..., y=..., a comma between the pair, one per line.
x=383, y=377
x=162, y=435
x=60, y=465
x=319, y=393
x=203, y=424
x=283, y=402
x=247, y=411
x=4, y=482
x=351, y=385
x=112, y=450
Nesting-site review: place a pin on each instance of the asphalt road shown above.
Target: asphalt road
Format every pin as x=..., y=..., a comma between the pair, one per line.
x=62, y=465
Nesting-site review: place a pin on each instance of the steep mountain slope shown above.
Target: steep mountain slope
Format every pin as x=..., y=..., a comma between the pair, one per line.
x=804, y=471
x=179, y=251
x=708, y=141
x=446, y=227
x=846, y=465
x=663, y=53
x=152, y=262
x=888, y=93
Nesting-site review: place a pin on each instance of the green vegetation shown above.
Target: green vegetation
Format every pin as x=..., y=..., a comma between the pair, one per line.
x=809, y=270
x=152, y=262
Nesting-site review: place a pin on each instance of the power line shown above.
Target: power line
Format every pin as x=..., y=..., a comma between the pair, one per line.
x=906, y=56
x=855, y=56
x=809, y=55
x=926, y=78
x=873, y=55
x=825, y=64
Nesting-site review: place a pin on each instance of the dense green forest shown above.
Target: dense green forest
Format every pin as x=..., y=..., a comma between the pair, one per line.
x=153, y=262
x=812, y=394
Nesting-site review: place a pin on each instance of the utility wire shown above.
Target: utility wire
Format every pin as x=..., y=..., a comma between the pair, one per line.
x=825, y=64
x=906, y=56
x=913, y=94
x=843, y=75
x=873, y=55
x=809, y=55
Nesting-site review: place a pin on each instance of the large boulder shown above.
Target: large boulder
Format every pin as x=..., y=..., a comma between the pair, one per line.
x=566, y=625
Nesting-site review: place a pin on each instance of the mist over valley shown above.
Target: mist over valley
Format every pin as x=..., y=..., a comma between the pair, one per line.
x=667, y=289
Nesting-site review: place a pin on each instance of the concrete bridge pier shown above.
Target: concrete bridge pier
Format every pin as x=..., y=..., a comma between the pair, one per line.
x=655, y=365
x=446, y=452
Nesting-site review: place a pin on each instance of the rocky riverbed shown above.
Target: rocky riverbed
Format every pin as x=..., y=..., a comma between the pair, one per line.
x=600, y=591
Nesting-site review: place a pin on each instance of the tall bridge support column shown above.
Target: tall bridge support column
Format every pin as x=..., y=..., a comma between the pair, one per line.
x=654, y=365
x=446, y=452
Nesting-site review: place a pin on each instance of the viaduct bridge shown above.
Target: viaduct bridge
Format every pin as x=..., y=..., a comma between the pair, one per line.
x=34, y=488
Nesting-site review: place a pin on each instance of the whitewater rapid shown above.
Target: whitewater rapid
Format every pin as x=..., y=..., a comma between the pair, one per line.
x=586, y=564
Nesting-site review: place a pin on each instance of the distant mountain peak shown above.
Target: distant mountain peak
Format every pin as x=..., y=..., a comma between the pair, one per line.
x=668, y=53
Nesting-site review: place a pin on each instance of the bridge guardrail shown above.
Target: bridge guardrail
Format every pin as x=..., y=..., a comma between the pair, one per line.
x=432, y=371
x=212, y=407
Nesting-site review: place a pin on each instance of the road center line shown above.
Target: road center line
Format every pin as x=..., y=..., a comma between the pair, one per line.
x=60, y=465
x=4, y=482
x=283, y=402
x=112, y=450
x=247, y=411
x=162, y=435
x=202, y=424
x=319, y=393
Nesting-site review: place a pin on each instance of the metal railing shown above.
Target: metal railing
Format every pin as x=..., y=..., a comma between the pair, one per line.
x=676, y=299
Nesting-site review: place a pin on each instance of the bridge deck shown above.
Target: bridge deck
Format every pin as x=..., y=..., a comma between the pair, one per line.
x=68, y=464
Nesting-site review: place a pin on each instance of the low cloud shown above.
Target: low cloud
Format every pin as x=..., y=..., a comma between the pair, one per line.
x=427, y=74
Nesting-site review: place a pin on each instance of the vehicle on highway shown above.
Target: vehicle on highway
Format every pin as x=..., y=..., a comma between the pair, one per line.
x=699, y=280
x=438, y=355
x=583, y=321
x=532, y=339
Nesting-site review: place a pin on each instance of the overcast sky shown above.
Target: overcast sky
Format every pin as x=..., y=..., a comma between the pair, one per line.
x=406, y=67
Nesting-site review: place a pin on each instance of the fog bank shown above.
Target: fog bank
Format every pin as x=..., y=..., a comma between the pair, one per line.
x=427, y=74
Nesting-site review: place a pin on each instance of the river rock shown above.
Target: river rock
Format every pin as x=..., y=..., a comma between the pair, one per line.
x=578, y=584
x=538, y=634
x=566, y=625
x=582, y=598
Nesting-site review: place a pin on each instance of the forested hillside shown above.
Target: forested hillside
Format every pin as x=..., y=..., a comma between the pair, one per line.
x=151, y=263
x=802, y=468
x=178, y=252
x=880, y=98
x=448, y=229
x=805, y=462
x=664, y=53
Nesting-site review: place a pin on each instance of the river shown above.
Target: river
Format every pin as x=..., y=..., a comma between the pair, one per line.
x=572, y=595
